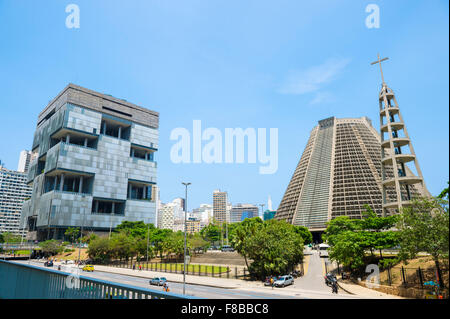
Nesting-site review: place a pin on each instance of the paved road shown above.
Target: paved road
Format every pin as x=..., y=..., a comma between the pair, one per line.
x=311, y=286
x=314, y=278
x=192, y=290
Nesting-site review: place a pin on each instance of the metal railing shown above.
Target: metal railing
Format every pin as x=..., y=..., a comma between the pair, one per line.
x=21, y=281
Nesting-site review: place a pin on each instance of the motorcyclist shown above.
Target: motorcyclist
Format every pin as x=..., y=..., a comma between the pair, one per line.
x=334, y=285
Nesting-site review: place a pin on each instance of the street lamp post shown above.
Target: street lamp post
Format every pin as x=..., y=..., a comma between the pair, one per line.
x=81, y=234
x=185, y=214
x=148, y=237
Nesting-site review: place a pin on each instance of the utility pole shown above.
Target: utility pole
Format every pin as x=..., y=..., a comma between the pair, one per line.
x=185, y=216
x=148, y=237
x=81, y=234
x=110, y=225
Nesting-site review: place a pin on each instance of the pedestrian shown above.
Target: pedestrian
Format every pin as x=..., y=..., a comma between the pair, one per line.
x=134, y=266
x=271, y=281
x=140, y=267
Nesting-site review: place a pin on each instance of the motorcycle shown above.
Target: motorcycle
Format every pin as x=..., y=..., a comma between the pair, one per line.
x=334, y=286
x=329, y=277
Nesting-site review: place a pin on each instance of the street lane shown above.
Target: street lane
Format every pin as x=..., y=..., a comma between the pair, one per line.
x=311, y=286
x=192, y=290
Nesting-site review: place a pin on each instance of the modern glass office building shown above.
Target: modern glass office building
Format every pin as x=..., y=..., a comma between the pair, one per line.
x=95, y=166
x=239, y=212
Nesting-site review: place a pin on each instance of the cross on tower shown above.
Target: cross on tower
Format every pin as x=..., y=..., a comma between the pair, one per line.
x=379, y=61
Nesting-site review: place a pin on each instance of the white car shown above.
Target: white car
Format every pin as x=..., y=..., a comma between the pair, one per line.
x=284, y=281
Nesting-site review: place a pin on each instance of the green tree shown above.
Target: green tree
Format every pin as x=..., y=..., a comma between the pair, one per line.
x=211, y=233
x=197, y=242
x=51, y=247
x=10, y=238
x=157, y=239
x=275, y=247
x=305, y=233
x=174, y=244
x=424, y=227
x=72, y=233
x=134, y=229
x=350, y=238
x=100, y=249
x=336, y=226
x=122, y=246
x=245, y=230
x=348, y=249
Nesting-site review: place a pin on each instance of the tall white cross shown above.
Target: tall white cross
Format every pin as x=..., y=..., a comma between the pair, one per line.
x=381, y=69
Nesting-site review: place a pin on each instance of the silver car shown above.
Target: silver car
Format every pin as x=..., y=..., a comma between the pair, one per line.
x=284, y=281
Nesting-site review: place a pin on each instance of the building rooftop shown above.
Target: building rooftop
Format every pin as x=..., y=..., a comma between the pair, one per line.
x=101, y=102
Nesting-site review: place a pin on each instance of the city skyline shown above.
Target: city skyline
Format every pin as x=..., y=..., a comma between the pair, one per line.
x=281, y=84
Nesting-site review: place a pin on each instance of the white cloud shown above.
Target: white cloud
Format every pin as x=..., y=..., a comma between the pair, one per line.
x=313, y=78
x=322, y=97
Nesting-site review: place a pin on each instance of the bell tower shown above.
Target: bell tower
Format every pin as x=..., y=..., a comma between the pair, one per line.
x=401, y=175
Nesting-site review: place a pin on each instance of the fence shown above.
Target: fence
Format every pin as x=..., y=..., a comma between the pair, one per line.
x=21, y=281
x=411, y=277
x=191, y=269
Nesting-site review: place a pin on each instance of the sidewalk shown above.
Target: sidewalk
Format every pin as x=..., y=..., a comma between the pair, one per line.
x=178, y=278
x=364, y=292
x=355, y=289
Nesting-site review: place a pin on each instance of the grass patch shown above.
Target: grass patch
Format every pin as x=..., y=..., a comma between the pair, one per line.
x=179, y=267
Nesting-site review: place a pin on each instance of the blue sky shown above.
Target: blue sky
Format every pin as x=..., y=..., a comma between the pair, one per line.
x=257, y=64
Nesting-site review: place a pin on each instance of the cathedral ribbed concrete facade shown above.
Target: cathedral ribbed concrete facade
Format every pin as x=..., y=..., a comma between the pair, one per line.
x=338, y=174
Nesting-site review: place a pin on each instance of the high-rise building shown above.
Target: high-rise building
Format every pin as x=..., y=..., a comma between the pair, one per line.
x=166, y=215
x=401, y=173
x=241, y=211
x=180, y=203
x=171, y=214
x=338, y=174
x=95, y=165
x=25, y=158
x=204, y=213
x=269, y=203
x=220, y=201
x=13, y=191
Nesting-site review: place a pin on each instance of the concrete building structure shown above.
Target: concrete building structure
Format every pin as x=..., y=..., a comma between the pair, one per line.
x=95, y=165
x=397, y=154
x=193, y=225
x=338, y=174
x=13, y=192
x=166, y=216
x=220, y=201
x=204, y=213
x=25, y=158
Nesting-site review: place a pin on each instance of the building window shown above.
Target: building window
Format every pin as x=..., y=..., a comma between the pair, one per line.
x=141, y=153
x=105, y=206
x=117, y=129
x=139, y=191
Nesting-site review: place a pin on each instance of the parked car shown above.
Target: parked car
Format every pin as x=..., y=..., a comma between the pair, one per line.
x=284, y=281
x=88, y=268
x=227, y=248
x=48, y=263
x=158, y=281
